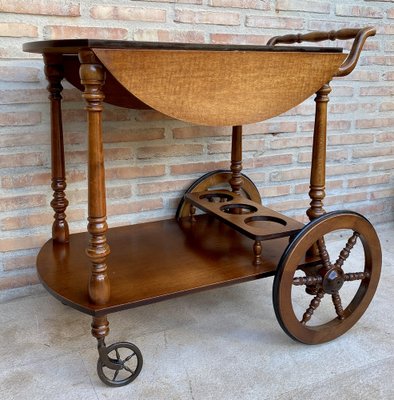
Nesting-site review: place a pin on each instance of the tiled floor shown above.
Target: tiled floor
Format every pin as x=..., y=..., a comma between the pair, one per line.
x=221, y=344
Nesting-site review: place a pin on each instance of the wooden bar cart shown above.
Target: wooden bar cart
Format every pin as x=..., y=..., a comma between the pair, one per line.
x=222, y=234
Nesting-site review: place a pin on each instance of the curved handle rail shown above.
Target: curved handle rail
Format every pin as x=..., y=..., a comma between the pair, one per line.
x=359, y=36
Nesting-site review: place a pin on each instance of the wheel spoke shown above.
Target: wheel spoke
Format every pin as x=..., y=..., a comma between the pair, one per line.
x=115, y=374
x=307, y=280
x=356, y=276
x=312, y=307
x=129, y=357
x=117, y=354
x=321, y=245
x=336, y=299
x=128, y=369
x=344, y=254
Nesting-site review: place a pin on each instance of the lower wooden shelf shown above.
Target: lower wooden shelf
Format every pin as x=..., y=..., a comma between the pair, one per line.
x=157, y=260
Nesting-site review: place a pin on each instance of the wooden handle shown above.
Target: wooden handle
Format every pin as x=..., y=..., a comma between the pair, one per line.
x=359, y=36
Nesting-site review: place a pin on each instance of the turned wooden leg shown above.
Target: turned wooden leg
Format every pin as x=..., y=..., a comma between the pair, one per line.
x=93, y=77
x=257, y=250
x=318, y=167
x=54, y=75
x=236, y=160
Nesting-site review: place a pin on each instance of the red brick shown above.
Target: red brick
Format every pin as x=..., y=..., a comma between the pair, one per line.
x=389, y=76
x=358, y=11
x=272, y=160
x=375, y=123
x=19, y=262
x=41, y=7
x=132, y=135
x=19, y=74
x=377, y=91
x=332, y=126
x=21, y=202
x=369, y=180
x=378, y=60
x=164, y=186
x=20, y=118
x=134, y=172
x=257, y=21
x=344, y=169
x=249, y=4
x=128, y=13
x=345, y=198
x=342, y=91
x=385, y=137
x=302, y=109
x=274, y=191
x=383, y=165
x=23, y=96
x=273, y=128
x=349, y=139
x=201, y=167
x=39, y=179
x=110, y=154
x=32, y=220
x=228, y=38
x=169, y=150
x=372, y=152
x=289, y=205
x=290, y=174
x=320, y=7
x=326, y=25
x=207, y=17
x=285, y=143
x=23, y=243
x=78, y=32
x=389, y=106
x=162, y=35
x=335, y=108
x=135, y=206
x=390, y=12
x=110, y=114
x=13, y=282
x=381, y=194
x=21, y=160
x=332, y=155
x=118, y=192
x=13, y=29
x=370, y=76
x=200, y=131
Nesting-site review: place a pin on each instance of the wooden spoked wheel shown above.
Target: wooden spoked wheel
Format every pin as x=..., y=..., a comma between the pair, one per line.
x=217, y=180
x=318, y=302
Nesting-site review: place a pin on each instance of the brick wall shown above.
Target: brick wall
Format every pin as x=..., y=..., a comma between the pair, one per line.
x=151, y=159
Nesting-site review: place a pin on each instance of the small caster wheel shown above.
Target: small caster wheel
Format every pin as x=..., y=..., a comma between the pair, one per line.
x=122, y=365
x=217, y=179
x=319, y=301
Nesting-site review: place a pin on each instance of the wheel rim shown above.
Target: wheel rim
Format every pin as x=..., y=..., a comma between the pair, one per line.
x=128, y=357
x=215, y=179
x=322, y=285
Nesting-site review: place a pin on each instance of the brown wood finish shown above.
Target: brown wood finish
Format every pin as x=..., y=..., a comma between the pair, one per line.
x=93, y=77
x=328, y=278
x=143, y=276
x=54, y=72
x=236, y=159
x=220, y=88
x=211, y=181
x=250, y=218
x=359, y=36
x=318, y=166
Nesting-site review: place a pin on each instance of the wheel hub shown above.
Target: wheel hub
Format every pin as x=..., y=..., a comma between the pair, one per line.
x=333, y=280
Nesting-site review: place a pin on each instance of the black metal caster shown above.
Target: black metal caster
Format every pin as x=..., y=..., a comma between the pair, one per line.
x=119, y=364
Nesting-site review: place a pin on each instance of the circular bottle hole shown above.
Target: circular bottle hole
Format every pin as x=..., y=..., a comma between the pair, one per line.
x=264, y=221
x=238, y=209
x=217, y=197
